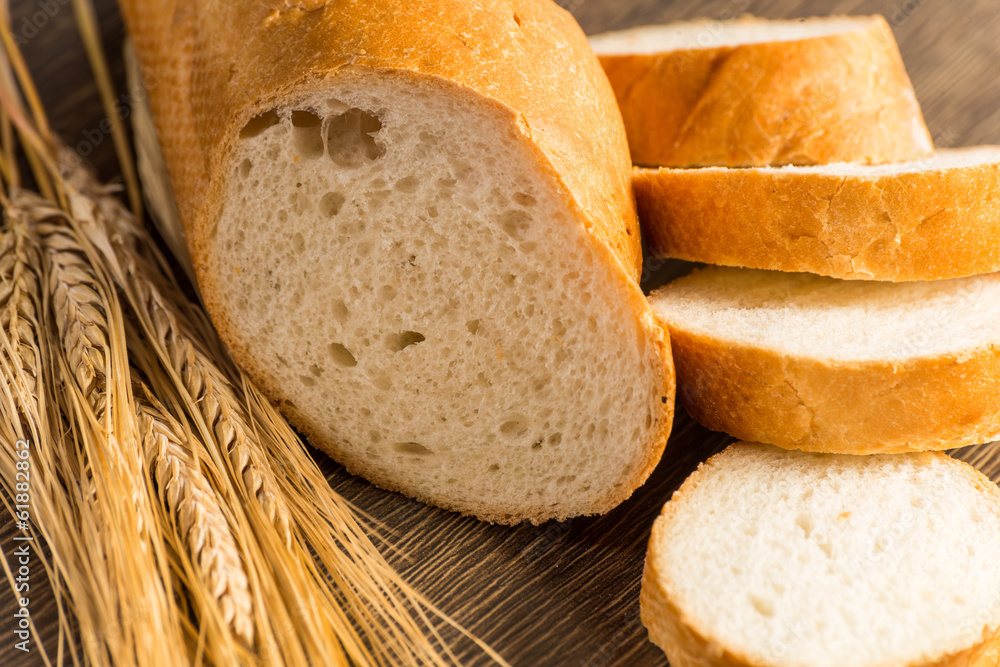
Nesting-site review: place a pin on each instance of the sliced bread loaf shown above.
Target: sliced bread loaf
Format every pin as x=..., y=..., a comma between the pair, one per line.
x=767, y=558
x=813, y=363
x=926, y=220
x=412, y=224
x=754, y=92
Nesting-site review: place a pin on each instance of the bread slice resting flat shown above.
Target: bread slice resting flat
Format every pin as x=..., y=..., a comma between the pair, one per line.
x=925, y=220
x=752, y=92
x=818, y=364
x=412, y=224
x=768, y=558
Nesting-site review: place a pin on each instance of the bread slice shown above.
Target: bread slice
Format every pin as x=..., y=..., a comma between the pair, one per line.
x=412, y=224
x=768, y=558
x=925, y=220
x=813, y=363
x=753, y=93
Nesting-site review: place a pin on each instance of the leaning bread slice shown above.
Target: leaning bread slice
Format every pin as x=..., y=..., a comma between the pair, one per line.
x=412, y=224
x=753, y=92
x=813, y=363
x=767, y=558
x=924, y=220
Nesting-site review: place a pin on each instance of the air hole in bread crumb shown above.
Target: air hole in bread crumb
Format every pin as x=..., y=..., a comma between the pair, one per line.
x=316, y=370
x=307, y=133
x=307, y=380
x=298, y=242
x=350, y=138
x=331, y=203
x=514, y=428
x=494, y=468
x=805, y=522
x=408, y=185
x=404, y=339
x=413, y=448
x=472, y=326
x=537, y=444
x=245, y=167
x=763, y=607
x=515, y=223
x=566, y=479
x=342, y=356
x=428, y=138
x=258, y=124
x=340, y=310
x=517, y=19
x=386, y=293
x=555, y=439
x=382, y=382
x=524, y=199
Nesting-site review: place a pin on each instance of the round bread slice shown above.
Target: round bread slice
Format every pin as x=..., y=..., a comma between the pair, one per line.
x=413, y=226
x=768, y=558
x=754, y=93
x=818, y=364
x=925, y=220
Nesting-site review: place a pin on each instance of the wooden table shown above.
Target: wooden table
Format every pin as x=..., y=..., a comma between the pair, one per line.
x=561, y=593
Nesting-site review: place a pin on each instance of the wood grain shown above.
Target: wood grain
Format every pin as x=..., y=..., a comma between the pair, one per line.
x=562, y=593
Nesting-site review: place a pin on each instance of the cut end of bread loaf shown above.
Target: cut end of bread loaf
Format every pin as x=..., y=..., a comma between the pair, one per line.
x=814, y=363
x=753, y=92
x=427, y=308
x=814, y=317
x=704, y=34
x=785, y=559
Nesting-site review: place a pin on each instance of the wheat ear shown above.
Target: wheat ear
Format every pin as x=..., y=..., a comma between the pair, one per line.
x=186, y=354
x=196, y=511
x=124, y=559
x=19, y=290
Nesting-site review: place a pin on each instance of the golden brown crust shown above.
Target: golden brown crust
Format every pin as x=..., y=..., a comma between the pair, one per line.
x=687, y=645
x=838, y=98
x=212, y=66
x=910, y=225
x=762, y=395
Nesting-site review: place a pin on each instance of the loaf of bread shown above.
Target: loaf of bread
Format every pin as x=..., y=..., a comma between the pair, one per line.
x=767, y=558
x=412, y=224
x=818, y=364
x=926, y=220
x=753, y=93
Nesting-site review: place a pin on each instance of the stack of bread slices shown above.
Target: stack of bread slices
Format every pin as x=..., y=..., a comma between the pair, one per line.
x=849, y=318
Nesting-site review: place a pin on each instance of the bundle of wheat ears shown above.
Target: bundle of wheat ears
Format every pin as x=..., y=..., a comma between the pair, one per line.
x=183, y=520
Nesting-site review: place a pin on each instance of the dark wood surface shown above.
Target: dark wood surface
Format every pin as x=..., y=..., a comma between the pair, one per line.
x=562, y=593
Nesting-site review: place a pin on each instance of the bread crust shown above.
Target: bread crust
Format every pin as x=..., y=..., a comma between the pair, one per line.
x=816, y=405
x=212, y=66
x=929, y=224
x=689, y=645
x=837, y=98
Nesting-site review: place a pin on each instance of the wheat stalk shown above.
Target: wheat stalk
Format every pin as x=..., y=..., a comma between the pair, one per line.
x=196, y=511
